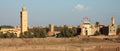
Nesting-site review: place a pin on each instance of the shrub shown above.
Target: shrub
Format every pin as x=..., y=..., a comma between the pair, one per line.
x=66, y=32
x=8, y=35
x=34, y=33
x=97, y=33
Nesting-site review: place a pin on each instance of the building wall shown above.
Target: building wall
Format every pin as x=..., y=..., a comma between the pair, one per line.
x=112, y=27
x=11, y=30
x=4, y=30
x=112, y=30
x=51, y=30
x=86, y=29
x=24, y=20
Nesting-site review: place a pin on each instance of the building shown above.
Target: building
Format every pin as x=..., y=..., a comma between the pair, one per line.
x=23, y=27
x=86, y=27
x=24, y=19
x=51, y=29
x=15, y=30
x=112, y=27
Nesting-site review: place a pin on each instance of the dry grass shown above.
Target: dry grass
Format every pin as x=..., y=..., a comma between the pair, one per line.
x=54, y=44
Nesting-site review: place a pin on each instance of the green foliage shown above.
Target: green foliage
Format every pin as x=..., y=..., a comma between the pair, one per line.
x=118, y=30
x=97, y=24
x=6, y=26
x=26, y=34
x=39, y=32
x=8, y=35
x=97, y=33
x=34, y=33
x=1, y=35
x=66, y=32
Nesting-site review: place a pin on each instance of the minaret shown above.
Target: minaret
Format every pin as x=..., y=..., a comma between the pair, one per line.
x=24, y=20
x=112, y=27
x=112, y=21
x=51, y=27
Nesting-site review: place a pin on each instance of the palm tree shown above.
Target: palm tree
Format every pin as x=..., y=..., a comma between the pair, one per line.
x=97, y=25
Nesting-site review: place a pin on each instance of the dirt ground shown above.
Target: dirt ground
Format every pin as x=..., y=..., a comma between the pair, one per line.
x=58, y=44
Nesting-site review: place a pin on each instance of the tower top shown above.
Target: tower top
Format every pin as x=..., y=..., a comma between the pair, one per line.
x=23, y=8
x=86, y=20
x=112, y=17
x=113, y=20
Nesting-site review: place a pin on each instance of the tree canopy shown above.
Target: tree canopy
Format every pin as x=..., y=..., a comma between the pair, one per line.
x=6, y=26
x=8, y=35
x=66, y=32
x=34, y=33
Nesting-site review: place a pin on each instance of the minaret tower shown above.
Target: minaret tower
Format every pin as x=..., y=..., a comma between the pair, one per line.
x=51, y=29
x=24, y=20
x=112, y=21
x=112, y=27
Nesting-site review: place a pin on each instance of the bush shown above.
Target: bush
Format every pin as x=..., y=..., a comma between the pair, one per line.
x=6, y=26
x=118, y=31
x=8, y=35
x=66, y=32
x=2, y=35
x=26, y=34
x=39, y=33
x=97, y=33
x=34, y=33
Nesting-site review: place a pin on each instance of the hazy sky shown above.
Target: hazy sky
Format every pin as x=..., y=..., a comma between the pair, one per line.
x=59, y=12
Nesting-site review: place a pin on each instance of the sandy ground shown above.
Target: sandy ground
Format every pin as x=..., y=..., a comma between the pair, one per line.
x=36, y=44
x=65, y=47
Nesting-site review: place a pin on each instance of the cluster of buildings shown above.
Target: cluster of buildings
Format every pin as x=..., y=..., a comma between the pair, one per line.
x=87, y=29
x=84, y=29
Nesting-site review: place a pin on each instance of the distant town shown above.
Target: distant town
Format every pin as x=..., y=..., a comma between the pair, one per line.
x=84, y=29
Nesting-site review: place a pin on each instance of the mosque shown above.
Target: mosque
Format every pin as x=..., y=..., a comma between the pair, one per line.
x=23, y=24
x=88, y=29
x=84, y=29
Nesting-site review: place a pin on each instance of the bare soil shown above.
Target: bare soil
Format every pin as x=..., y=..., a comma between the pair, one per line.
x=59, y=44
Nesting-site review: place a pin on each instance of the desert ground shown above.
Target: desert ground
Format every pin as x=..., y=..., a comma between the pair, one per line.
x=60, y=44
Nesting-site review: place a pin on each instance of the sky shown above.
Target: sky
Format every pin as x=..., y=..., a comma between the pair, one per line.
x=59, y=12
